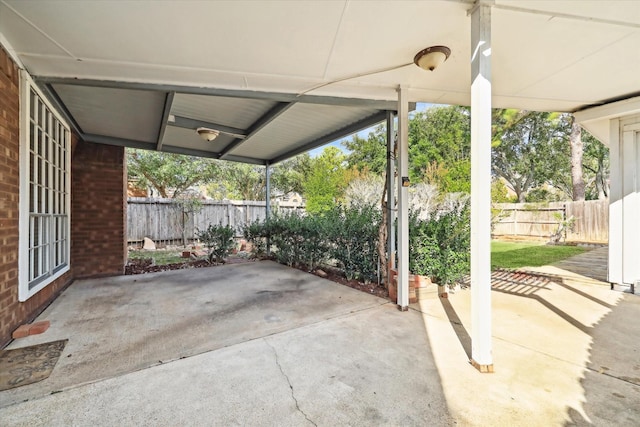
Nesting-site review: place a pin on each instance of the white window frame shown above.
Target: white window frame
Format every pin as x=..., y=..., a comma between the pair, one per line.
x=28, y=287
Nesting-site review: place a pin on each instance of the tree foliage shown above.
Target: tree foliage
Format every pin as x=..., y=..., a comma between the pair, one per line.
x=596, y=167
x=327, y=180
x=169, y=174
x=289, y=176
x=528, y=149
x=440, y=136
x=238, y=181
x=370, y=154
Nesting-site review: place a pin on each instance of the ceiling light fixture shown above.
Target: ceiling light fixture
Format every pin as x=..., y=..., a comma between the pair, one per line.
x=207, y=134
x=431, y=57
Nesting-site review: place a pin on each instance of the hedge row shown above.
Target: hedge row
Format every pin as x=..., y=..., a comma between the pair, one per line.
x=348, y=237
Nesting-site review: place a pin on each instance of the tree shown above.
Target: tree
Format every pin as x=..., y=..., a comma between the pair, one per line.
x=326, y=181
x=288, y=176
x=596, y=166
x=370, y=154
x=169, y=174
x=528, y=149
x=238, y=181
x=575, y=141
x=440, y=139
x=439, y=149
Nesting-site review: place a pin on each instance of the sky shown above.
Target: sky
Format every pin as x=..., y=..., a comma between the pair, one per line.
x=420, y=106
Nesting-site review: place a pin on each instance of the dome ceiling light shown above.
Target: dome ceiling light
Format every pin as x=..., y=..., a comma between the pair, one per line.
x=208, y=134
x=431, y=57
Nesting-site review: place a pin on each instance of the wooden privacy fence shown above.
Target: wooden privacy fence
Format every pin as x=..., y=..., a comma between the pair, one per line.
x=591, y=220
x=167, y=221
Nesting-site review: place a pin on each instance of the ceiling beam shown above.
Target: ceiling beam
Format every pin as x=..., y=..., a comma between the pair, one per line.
x=243, y=159
x=190, y=152
x=53, y=97
x=260, y=124
x=340, y=133
x=163, y=122
x=120, y=142
x=230, y=93
x=130, y=143
x=187, y=123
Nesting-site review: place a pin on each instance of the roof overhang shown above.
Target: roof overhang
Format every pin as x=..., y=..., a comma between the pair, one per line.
x=597, y=120
x=283, y=77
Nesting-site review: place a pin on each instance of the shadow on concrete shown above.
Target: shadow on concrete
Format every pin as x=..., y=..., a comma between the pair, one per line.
x=611, y=375
x=592, y=264
x=528, y=285
x=611, y=379
x=457, y=325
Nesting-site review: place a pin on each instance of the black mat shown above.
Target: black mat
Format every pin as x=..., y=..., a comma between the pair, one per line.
x=28, y=365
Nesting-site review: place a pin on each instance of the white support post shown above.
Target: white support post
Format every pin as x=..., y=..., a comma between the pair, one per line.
x=267, y=178
x=616, y=196
x=267, y=197
x=391, y=196
x=403, y=199
x=481, y=352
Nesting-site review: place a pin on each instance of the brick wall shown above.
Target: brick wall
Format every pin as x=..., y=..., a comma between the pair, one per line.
x=12, y=312
x=98, y=213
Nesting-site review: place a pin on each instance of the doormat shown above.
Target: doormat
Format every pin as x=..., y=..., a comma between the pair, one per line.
x=28, y=365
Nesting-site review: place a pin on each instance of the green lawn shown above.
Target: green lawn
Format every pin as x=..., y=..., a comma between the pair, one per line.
x=516, y=255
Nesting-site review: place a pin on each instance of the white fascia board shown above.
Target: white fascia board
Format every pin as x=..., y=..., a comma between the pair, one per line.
x=596, y=119
x=609, y=111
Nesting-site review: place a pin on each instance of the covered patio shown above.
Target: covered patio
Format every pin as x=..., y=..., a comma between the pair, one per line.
x=264, y=344
x=268, y=80
x=260, y=343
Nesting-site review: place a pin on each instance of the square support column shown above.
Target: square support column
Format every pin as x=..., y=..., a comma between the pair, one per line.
x=403, y=199
x=391, y=195
x=481, y=351
x=267, y=197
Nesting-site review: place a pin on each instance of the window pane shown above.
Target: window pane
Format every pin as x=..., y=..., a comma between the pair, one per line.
x=32, y=105
x=48, y=175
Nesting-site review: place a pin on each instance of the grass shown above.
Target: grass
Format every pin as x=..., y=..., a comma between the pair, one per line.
x=516, y=255
x=160, y=257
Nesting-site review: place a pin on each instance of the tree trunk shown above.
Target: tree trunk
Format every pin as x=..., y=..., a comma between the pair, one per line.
x=577, y=180
x=601, y=185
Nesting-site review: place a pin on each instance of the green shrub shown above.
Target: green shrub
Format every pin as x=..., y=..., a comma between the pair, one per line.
x=219, y=241
x=440, y=247
x=354, y=233
x=256, y=233
x=347, y=235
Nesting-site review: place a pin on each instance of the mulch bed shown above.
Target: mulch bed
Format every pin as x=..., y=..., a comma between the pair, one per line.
x=145, y=265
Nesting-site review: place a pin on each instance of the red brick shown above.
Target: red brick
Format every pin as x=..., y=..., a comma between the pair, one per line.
x=39, y=327
x=21, y=332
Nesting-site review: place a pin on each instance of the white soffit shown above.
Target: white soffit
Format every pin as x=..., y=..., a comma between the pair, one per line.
x=546, y=53
x=561, y=55
x=298, y=126
x=235, y=112
x=119, y=113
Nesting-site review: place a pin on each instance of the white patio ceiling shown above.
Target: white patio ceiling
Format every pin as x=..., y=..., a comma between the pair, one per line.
x=147, y=74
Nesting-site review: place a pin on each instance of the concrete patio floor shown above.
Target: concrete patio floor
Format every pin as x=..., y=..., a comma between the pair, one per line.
x=263, y=344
